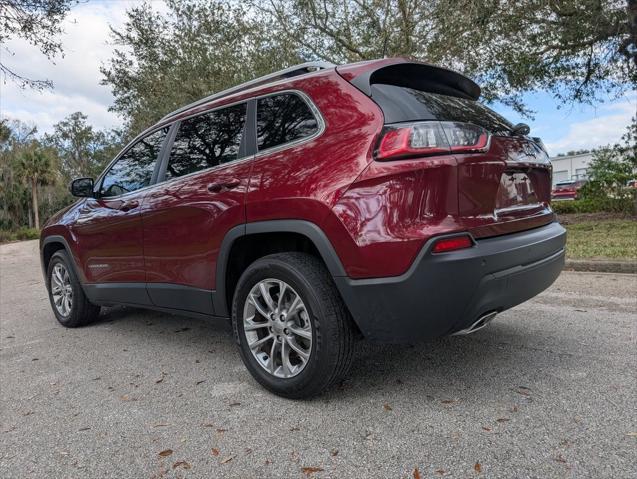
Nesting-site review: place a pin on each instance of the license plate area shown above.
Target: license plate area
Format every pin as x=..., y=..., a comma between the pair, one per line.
x=516, y=195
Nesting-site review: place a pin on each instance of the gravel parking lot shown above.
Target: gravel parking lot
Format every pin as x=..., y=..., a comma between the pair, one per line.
x=549, y=389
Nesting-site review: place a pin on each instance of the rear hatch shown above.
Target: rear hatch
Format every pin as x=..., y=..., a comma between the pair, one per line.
x=503, y=181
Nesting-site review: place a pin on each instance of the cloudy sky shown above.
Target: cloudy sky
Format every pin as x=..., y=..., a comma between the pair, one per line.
x=86, y=42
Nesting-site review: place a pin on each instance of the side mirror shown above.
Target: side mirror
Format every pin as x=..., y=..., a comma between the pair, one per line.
x=82, y=187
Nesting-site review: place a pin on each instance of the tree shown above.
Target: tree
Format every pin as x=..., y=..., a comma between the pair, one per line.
x=39, y=22
x=35, y=166
x=576, y=49
x=164, y=61
x=612, y=167
x=82, y=150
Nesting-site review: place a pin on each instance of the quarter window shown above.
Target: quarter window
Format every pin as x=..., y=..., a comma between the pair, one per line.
x=282, y=119
x=207, y=140
x=134, y=169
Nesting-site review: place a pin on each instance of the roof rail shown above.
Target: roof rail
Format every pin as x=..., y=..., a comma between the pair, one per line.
x=285, y=73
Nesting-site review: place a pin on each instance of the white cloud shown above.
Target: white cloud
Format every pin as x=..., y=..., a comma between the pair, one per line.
x=75, y=76
x=605, y=129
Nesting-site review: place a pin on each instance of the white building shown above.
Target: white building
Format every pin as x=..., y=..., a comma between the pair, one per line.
x=570, y=167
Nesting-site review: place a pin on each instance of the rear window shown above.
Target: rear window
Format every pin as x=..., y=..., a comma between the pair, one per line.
x=282, y=119
x=406, y=104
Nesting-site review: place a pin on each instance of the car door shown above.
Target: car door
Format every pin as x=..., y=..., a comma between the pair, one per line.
x=108, y=230
x=186, y=217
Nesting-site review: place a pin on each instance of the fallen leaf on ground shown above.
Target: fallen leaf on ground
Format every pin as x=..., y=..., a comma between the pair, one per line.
x=182, y=330
x=199, y=382
x=215, y=451
x=477, y=467
x=84, y=429
x=235, y=403
x=161, y=379
x=311, y=470
x=523, y=390
x=160, y=425
x=514, y=409
x=126, y=397
x=295, y=428
x=503, y=419
x=631, y=434
x=387, y=407
x=226, y=460
x=221, y=431
x=208, y=424
x=440, y=471
x=334, y=452
x=182, y=464
x=416, y=474
x=267, y=462
x=488, y=429
x=448, y=401
x=166, y=452
x=247, y=450
x=559, y=458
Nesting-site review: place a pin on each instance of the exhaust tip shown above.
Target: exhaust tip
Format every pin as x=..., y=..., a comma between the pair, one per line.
x=480, y=323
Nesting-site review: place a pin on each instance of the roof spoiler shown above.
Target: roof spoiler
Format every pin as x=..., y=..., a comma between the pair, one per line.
x=409, y=74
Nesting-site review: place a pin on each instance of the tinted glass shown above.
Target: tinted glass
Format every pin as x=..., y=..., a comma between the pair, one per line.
x=134, y=169
x=405, y=104
x=207, y=140
x=282, y=119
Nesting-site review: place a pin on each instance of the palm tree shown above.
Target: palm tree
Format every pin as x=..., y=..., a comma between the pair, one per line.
x=35, y=166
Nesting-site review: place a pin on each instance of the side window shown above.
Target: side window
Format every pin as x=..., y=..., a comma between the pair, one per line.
x=283, y=118
x=134, y=169
x=207, y=140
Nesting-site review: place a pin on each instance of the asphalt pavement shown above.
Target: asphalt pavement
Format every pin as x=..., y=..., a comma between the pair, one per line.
x=548, y=389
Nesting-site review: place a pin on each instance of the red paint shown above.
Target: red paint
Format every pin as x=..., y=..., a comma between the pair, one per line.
x=376, y=214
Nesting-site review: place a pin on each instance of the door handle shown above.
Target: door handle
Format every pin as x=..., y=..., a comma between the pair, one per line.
x=129, y=205
x=229, y=184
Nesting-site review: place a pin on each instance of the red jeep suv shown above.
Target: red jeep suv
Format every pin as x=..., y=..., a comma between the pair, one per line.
x=311, y=206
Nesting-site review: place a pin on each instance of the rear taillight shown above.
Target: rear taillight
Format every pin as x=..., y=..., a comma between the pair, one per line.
x=451, y=244
x=428, y=138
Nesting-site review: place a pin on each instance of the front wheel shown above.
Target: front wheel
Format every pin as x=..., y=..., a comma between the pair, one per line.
x=70, y=305
x=294, y=332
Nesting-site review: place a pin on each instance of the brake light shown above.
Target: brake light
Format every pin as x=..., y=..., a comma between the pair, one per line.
x=428, y=138
x=451, y=244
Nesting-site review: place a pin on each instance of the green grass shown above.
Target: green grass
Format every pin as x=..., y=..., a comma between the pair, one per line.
x=19, y=234
x=614, y=238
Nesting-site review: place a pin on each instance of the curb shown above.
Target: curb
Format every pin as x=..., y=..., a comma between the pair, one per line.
x=601, y=266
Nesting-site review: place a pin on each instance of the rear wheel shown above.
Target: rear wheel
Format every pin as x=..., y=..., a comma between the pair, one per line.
x=294, y=332
x=70, y=306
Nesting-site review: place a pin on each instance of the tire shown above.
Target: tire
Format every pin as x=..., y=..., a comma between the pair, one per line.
x=81, y=310
x=322, y=311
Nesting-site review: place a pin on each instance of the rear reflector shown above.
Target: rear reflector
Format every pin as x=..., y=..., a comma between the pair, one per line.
x=428, y=138
x=452, y=244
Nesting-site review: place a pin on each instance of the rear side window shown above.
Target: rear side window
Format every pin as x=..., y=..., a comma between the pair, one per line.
x=283, y=119
x=406, y=104
x=207, y=140
x=134, y=169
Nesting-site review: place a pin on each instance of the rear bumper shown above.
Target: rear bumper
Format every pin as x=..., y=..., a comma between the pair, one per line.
x=445, y=293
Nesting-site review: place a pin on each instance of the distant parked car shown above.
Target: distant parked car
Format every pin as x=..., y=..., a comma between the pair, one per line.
x=567, y=190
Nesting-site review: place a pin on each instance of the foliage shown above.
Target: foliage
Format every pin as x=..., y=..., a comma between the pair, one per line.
x=612, y=167
x=37, y=21
x=576, y=49
x=163, y=61
x=20, y=234
x=82, y=150
x=602, y=239
x=595, y=205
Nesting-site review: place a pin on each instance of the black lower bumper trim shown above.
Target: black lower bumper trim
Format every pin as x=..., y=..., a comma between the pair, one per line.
x=445, y=293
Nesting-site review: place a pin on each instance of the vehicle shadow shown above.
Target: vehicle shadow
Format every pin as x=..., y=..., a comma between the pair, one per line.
x=491, y=362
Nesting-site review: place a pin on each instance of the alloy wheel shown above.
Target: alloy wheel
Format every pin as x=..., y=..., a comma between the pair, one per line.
x=61, y=289
x=277, y=328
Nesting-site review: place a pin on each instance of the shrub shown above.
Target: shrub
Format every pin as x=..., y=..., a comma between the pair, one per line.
x=595, y=205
